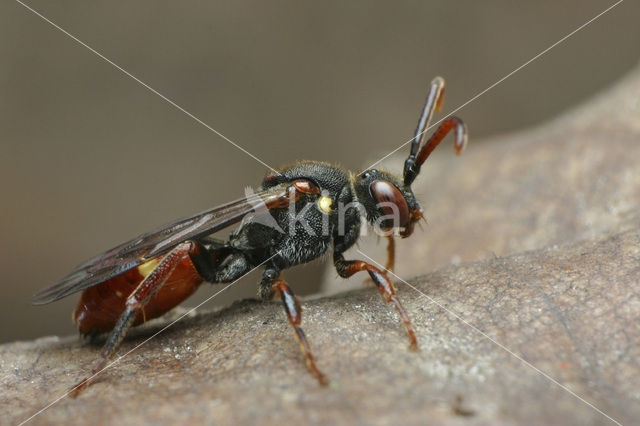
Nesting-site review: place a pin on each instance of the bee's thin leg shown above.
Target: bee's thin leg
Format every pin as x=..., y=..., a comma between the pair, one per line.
x=294, y=313
x=391, y=253
x=347, y=268
x=113, y=341
x=145, y=291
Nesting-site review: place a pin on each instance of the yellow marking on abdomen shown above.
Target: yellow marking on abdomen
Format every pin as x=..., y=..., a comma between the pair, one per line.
x=146, y=268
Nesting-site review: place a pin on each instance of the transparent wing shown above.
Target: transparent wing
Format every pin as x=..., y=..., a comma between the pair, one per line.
x=147, y=246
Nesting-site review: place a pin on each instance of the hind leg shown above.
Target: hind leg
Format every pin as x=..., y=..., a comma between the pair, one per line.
x=219, y=264
x=135, y=303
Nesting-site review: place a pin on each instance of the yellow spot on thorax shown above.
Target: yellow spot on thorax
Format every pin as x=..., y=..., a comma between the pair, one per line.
x=324, y=204
x=146, y=268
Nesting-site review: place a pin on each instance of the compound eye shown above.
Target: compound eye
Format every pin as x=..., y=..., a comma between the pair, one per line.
x=385, y=192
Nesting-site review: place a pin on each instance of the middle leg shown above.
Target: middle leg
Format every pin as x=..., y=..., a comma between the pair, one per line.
x=294, y=314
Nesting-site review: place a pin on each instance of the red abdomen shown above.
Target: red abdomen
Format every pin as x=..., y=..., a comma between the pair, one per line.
x=100, y=306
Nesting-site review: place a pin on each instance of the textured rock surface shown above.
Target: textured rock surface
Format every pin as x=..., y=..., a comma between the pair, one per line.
x=495, y=334
x=572, y=311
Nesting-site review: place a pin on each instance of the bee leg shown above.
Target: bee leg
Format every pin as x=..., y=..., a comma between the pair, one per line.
x=266, y=289
x=391, y=253
x=222, y=264
x=347, y=268
x=294, y=313
x=145, y=291
x=391, y=257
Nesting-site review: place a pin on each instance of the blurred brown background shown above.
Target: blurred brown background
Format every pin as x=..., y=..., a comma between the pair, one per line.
x=91, y=158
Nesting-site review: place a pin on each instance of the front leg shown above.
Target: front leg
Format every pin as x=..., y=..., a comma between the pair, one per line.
x=347, y=268
x=391, y=253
